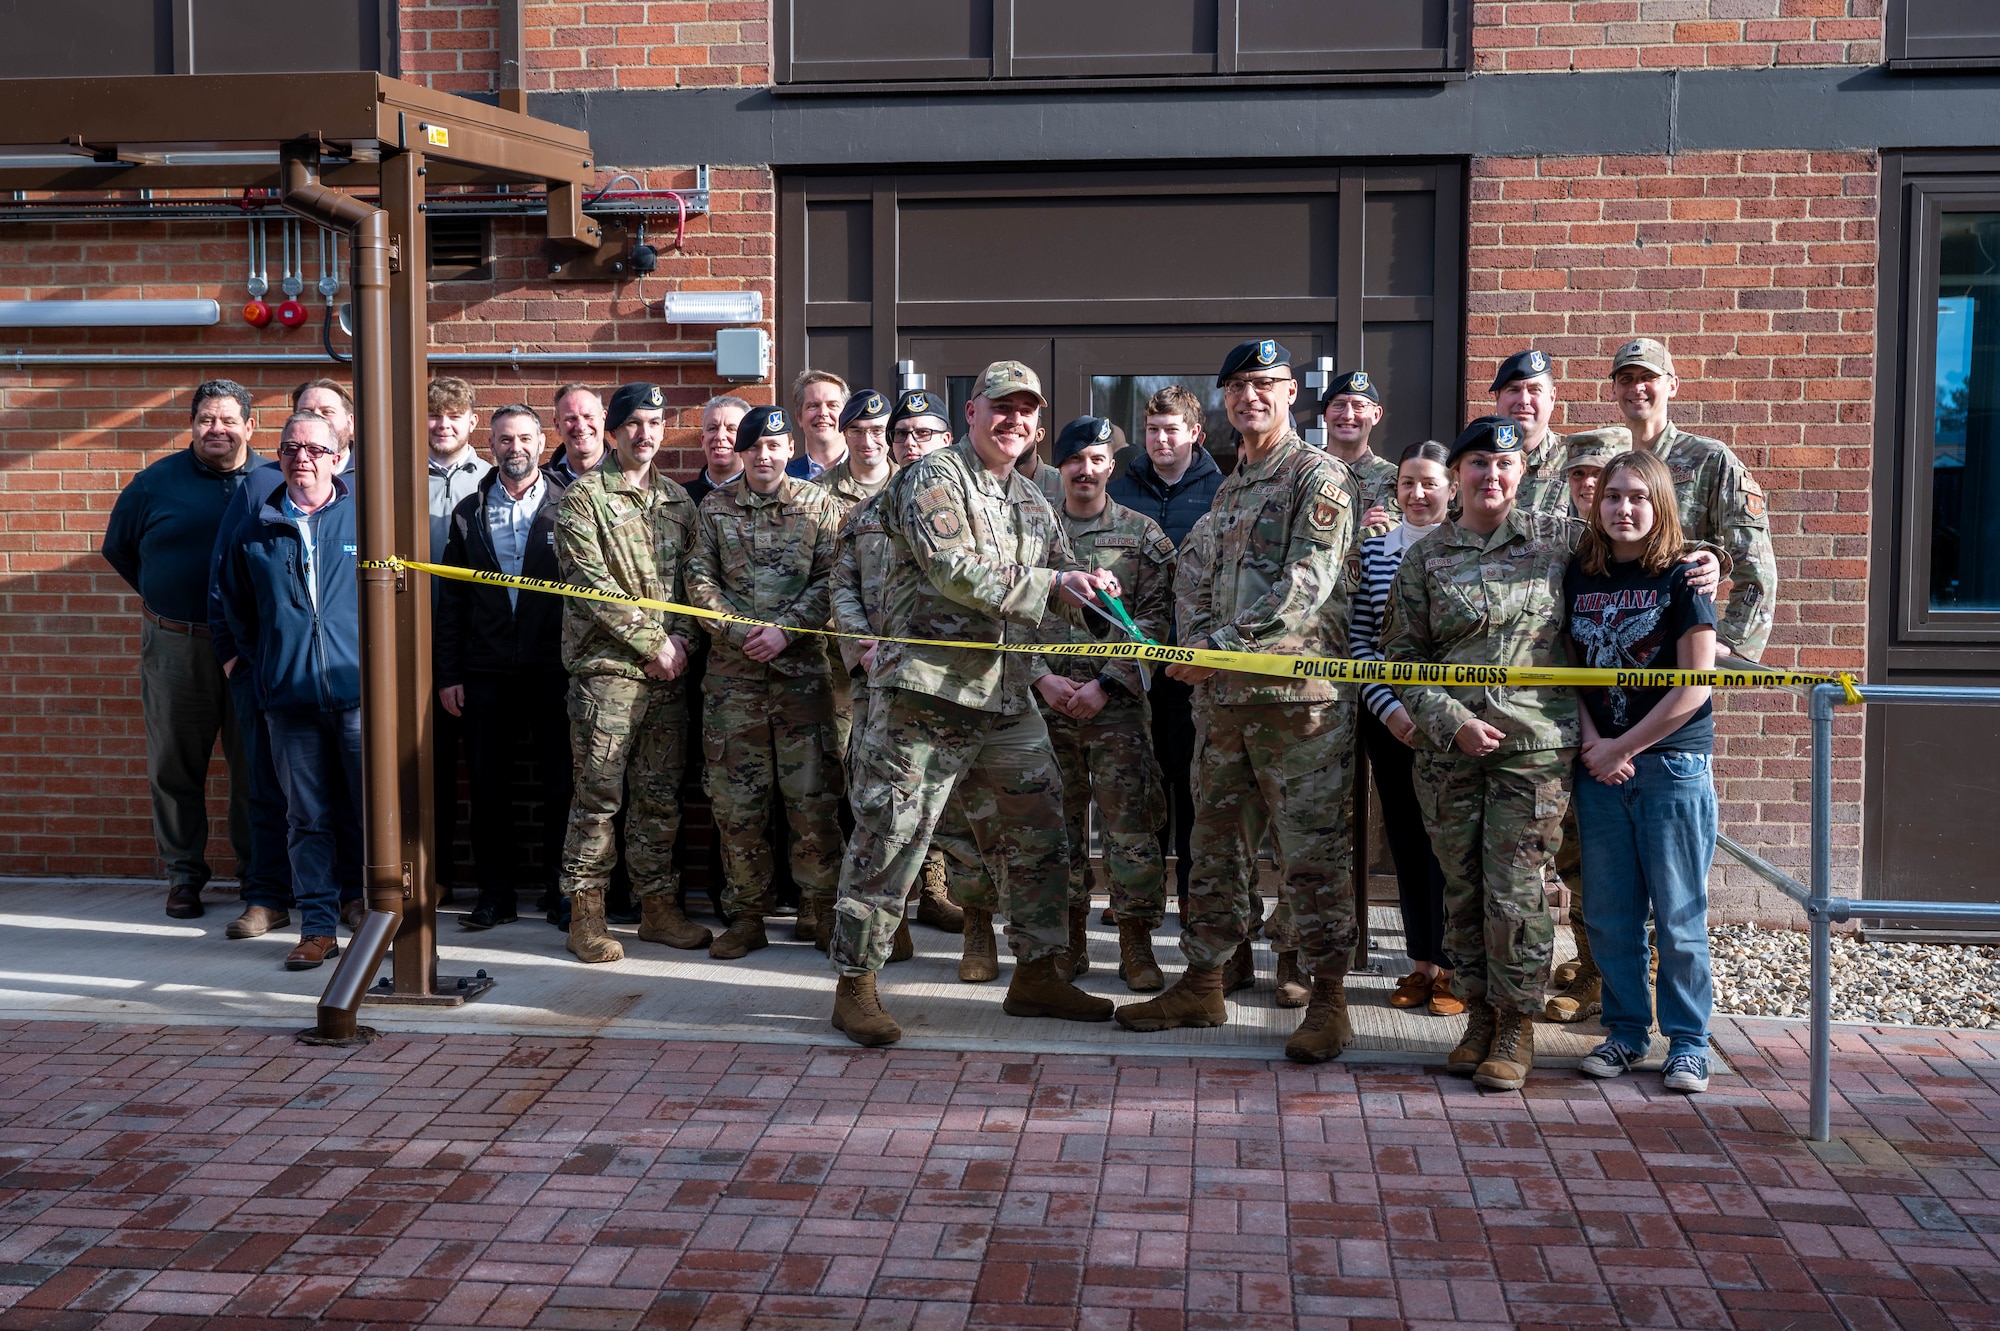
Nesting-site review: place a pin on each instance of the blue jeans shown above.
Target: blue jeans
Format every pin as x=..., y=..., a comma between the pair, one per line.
x=267, y=879
x=318, y=757
x=1650, y=841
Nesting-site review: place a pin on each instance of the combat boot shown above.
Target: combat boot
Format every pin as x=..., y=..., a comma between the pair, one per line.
x=1240, y=971
x=1326, y=1031
x=589, y=941
x=1292, y=988
x=1195, y=1000
x=805, y=926
x=1037, y=990
x=741, y=938
x=934, y=904
x=1512, y=1057
x=858, y=1012
x=1475, y=1043
x=1136, y=963
x=901, y=946
x=981, y=960
x=1074, y=959
x=1579, y=984
x=661, y=921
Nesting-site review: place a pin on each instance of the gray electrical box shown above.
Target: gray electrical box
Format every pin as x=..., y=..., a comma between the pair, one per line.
x=742, y=355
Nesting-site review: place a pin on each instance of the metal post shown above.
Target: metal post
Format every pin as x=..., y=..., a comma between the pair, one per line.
x=1819, y=912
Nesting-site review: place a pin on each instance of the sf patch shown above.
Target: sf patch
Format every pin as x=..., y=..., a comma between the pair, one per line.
x=1329, y=507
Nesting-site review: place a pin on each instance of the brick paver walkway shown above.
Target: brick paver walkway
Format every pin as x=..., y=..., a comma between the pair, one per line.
x=184, y=1177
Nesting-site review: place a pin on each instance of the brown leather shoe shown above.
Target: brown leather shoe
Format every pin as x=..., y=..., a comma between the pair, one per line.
x=256, y=921
x=352, y=913
x=1444, y=1003
x=310, y=953
x=1414, y=990
x=184, y=902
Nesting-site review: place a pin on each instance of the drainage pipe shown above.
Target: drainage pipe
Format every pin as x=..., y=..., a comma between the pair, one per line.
x=22, y=360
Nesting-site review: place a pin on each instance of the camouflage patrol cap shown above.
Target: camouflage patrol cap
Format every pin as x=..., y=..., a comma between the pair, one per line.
x=630, y=398
x=1594, y=448
x=761, y=423
x=864, y=405
x=1645, y=352
x=1009, y=376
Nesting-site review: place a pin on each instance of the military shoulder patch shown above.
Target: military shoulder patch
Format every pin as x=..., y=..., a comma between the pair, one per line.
x=1329, y=506
x=1163, y=550
x=945, y=525
x=938, y=496
x=1115, y=541
x=1753, y=497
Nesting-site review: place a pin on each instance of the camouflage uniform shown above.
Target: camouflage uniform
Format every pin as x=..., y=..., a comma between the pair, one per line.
x=973, y=559
x=627, y=730
x=860, y=573
x=1462, y=598
x=1376, y=477
x=1545, y=478
x=839, y=481
x=1721, y=503
x=1278, y=583
x=1110, y=757
x=767, y=727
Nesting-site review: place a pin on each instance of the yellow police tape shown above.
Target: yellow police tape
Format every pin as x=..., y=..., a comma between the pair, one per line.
x=1335, y=669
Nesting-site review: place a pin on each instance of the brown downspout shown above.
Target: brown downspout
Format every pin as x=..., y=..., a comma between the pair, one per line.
x=386, y=876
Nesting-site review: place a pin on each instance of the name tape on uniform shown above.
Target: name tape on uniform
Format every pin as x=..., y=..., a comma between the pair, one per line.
x=1336, y=670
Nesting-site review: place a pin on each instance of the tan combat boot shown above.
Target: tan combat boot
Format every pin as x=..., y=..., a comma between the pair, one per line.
x=1038, y=990
x=1477, y=1040
x=805, y=927
x=1293, y=991
x=1074, y=959
x=589, y=941
x=741, y=938
x=1326, y=1031
x=1240, y=971
x=661, y=921
x=1195, y=1000
x=858, y=1012
x=934, y=904
x=981, y=960
x=1136, y=963
x=1512, y=1057
x=901, y=946
x=1579, y=984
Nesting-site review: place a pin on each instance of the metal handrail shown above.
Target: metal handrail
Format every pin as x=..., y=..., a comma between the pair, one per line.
x=1764, y=869
x=1823, y=909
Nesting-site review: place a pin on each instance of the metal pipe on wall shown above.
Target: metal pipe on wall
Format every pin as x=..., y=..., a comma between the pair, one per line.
x=1819, y=913
x=21, y=360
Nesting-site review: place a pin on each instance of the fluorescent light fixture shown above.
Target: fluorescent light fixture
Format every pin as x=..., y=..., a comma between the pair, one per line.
x=108, y=313
x=714, y=307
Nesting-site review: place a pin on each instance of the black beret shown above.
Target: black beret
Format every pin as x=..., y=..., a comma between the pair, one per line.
x=1263, y=354
x=1356, y=382
x=761, y=423
x=1488, y=434
x=630, y=398
x=865, y=405
x=919, y=402
x=1080, y=434
x=1521, y=365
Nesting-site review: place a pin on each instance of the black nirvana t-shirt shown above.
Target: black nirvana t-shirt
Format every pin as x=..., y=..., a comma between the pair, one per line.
x=1628, y=619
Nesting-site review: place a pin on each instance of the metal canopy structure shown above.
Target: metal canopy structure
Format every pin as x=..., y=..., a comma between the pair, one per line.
x=314, y=137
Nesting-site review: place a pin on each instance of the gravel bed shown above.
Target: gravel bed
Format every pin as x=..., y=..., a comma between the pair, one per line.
x=1766, y=973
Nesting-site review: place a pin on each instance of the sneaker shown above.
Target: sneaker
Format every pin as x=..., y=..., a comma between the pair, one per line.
x=1687, y=1072
x=1608, y=1060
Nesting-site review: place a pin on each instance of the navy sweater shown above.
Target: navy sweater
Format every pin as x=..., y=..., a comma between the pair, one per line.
x=162, y=530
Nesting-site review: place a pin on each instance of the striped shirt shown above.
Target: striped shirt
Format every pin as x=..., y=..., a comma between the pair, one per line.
x=1381, y=556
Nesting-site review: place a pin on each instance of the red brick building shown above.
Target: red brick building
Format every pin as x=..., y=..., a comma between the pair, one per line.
x=1116, y=190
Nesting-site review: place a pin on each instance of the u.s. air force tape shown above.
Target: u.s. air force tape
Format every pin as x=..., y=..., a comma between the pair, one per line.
x=1338, y=670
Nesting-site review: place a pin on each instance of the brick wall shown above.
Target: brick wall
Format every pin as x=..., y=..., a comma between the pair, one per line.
x=1532, y=36
x=73, y=795
x=1758, y=271
x=453, y=44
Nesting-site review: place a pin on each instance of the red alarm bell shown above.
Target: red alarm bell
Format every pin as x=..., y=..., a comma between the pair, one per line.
x=291, y=314
x=256, y=314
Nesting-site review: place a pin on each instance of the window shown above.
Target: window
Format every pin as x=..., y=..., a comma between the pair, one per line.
x=1942, y=34
x=891, y=42
x=79, y=38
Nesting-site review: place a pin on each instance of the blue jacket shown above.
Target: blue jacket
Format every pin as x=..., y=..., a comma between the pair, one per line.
x=248, y=502
x=301, y=657
x=1175, y=507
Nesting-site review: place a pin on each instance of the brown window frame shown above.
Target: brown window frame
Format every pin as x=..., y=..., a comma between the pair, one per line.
x=1005, y=69
x=1906, y=54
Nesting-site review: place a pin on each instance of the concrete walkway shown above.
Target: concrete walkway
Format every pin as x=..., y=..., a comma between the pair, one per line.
x=107, y=952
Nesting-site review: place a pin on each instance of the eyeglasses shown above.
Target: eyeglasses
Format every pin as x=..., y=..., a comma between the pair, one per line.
x=1263, y=385
x=916, y=434
x=875, y=432
x=313, y=451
